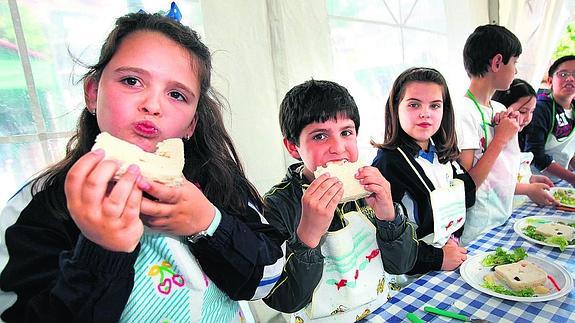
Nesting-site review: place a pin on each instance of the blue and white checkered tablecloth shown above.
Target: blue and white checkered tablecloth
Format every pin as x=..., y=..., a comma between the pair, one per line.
x=449, y=291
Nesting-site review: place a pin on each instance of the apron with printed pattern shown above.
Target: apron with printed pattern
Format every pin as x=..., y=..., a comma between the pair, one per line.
x=353, y=282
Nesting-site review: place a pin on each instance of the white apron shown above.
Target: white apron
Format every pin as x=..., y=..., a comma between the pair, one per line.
x=353, y=282
x=561, y=150
x=170, y=286
x=448, y=208
x=494, y=198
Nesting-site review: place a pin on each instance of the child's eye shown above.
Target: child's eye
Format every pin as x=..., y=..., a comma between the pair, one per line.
x=413, y=105
x=436, y=106
x=347, y=133
x=131, y=81
x=319, y=136
x=178, y=96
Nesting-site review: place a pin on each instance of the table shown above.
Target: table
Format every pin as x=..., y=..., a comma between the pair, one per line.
x=448, y=290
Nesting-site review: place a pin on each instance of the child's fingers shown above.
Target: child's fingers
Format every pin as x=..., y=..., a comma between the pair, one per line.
x=162, y=192
x=155, y=209
x=95, y=185
x=321, y=185
x=116, y=203
x=79, y=171
x=131, y=212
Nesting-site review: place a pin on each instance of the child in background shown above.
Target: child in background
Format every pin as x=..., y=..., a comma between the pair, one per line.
x=337, y=256
x=550, y=136
x=521, y=98
x=84, y=251
x=418, y=157
x=489, y=152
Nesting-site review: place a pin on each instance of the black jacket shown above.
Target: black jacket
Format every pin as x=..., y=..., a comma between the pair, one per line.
x=403, y=180
x=304, y=265
x=534, y=136
x=60, y=276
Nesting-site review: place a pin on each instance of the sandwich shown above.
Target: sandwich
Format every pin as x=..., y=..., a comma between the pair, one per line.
x=165, y=165
x=556, y=230
x=520, y=275
x=345, y=171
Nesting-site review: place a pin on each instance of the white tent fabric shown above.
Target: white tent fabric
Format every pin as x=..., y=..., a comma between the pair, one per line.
x=539, y=25
x=264, y=47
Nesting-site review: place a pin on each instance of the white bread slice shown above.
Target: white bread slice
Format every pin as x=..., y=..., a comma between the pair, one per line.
x=164, y=165
x=520, y=275
x=345, y=171
x=555, y=229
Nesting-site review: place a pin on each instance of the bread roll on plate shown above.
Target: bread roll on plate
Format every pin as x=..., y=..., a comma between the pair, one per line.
x=345, y=171
x=164, y=165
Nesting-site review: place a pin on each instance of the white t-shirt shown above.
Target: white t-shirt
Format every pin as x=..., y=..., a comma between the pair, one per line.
x=468, y=122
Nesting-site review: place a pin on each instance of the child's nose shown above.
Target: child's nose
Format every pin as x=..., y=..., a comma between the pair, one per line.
x=151, y=106
x=337, y=146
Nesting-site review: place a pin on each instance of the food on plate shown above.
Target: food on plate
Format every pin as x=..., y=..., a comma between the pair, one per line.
x=345, y=171
x=565, y=196
x=502, y=257
x=164, y=165
x=555, y=233
x=521, y=275
x=556, y=230
x=513, y=275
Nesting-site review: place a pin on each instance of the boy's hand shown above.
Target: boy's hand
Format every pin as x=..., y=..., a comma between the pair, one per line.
x=541, y=179
x=453, y=255
x=318, y=202
x=180, y=210
x=380, y=201
x=539, y=193
x=506, y=126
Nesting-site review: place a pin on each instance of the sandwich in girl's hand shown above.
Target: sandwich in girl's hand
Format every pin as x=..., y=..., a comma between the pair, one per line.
x=164, y=165
x=345, y=171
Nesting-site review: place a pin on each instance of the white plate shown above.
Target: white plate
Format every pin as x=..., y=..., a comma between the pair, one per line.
x=571, y=191
x=473, y=272
x=522, y=223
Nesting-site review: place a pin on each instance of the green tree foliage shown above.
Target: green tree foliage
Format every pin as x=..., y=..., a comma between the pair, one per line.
x=566, y=44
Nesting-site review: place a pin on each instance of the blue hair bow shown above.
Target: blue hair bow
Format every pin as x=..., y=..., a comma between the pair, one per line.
x=174, y=12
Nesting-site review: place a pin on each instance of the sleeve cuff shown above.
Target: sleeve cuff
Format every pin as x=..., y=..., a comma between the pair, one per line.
x=92, y=255
x=391, y=230
x=303, y=252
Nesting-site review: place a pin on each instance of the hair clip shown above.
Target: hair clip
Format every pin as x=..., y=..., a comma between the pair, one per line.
x=174, y=12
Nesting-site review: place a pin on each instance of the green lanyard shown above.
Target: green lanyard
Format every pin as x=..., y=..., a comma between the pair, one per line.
x=484, y=124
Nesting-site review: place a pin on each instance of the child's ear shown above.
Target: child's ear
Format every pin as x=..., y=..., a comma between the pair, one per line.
x=496, y=62
x=192, y=127
x=91, y=93
x=291, y=148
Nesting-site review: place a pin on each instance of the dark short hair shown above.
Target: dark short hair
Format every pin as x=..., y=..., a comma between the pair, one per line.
x=315, y=101
x=445, y=138
x=553, y=68
x=518, y=89
x=486, y=42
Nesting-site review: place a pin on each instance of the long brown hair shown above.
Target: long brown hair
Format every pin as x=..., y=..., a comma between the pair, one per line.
x=211, y=159
x=445, y=139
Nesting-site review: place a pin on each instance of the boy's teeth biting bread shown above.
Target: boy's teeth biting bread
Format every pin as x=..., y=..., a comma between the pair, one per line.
x=345, y=171
x=164, y=165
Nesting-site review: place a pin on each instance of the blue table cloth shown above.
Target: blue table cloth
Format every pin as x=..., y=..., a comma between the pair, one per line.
x=449, y=291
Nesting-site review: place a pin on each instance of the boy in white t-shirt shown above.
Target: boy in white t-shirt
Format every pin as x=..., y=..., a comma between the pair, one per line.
x=489, y=151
